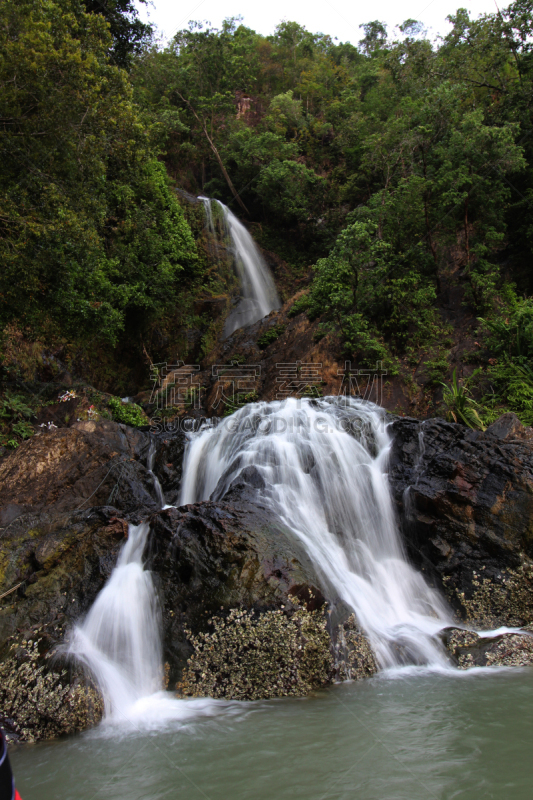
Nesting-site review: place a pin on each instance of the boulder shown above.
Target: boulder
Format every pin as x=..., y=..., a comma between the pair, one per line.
x=465, y=503
x=468, y=649
x=89, y=464
x=210, y=558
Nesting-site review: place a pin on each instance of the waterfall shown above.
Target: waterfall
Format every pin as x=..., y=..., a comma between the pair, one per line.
x=150, y=467
x=258, y=292
x=120, y=638
x=119, y=641
x=324, y=466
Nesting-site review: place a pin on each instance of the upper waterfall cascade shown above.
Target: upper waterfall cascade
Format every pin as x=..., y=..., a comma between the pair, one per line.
x=324, y=467
x=258, y=291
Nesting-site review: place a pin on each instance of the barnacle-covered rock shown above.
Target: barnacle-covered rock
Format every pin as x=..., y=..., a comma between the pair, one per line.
x=254, y=656
x=210, y=558
x=354, y=657
x=468, y=649
x=41, y=696
x=505, y=597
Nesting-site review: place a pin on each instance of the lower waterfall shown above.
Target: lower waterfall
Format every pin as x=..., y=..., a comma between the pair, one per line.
x=119, y=642
x=120, y=639
x=324, y=467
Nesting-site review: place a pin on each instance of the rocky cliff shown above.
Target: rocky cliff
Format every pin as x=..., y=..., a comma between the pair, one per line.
x=465, y=502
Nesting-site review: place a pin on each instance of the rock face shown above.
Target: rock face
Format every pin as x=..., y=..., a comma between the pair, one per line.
x=213, y=557
x=63, y=501
x=90, y=464
x=465, y=501
x=507, y=650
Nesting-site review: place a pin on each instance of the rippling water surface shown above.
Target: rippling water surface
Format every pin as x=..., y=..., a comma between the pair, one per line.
x=412, y=737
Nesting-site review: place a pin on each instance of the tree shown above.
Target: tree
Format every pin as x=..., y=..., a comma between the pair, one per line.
x=91, y=235
x=375, y=37
x=291, y=191
x=129, y=33
x=207, y=67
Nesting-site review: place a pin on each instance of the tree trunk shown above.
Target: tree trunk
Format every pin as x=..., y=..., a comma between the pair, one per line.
x=467, y=240
x=225, y=174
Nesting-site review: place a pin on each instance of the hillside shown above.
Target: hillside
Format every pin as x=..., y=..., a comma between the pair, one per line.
x=388, y=185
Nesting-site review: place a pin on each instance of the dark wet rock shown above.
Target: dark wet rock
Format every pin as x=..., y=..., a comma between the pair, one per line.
x=468, y=649
x=243, y=487
x=213, y=557
x=168, y=464
x=508, y=426
x=62, y=561
x=465, y=501
x=66, y=497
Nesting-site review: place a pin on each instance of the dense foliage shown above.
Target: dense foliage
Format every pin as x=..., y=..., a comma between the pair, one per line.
x=400, y=169
x=128, y=33
x=91, y=234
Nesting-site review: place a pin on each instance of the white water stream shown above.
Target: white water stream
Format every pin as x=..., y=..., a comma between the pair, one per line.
x=258, y=291
x=119, y=640
x=324, y=466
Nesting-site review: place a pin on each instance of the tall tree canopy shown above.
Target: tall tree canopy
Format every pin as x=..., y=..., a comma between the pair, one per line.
x=91, y=233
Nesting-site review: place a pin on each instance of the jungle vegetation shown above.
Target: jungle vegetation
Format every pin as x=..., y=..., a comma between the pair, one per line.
x=400, y=170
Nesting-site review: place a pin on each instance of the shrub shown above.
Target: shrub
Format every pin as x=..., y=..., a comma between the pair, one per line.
x=461, y=407
x=270, y=336
x=299, y=305
x=128, y=413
